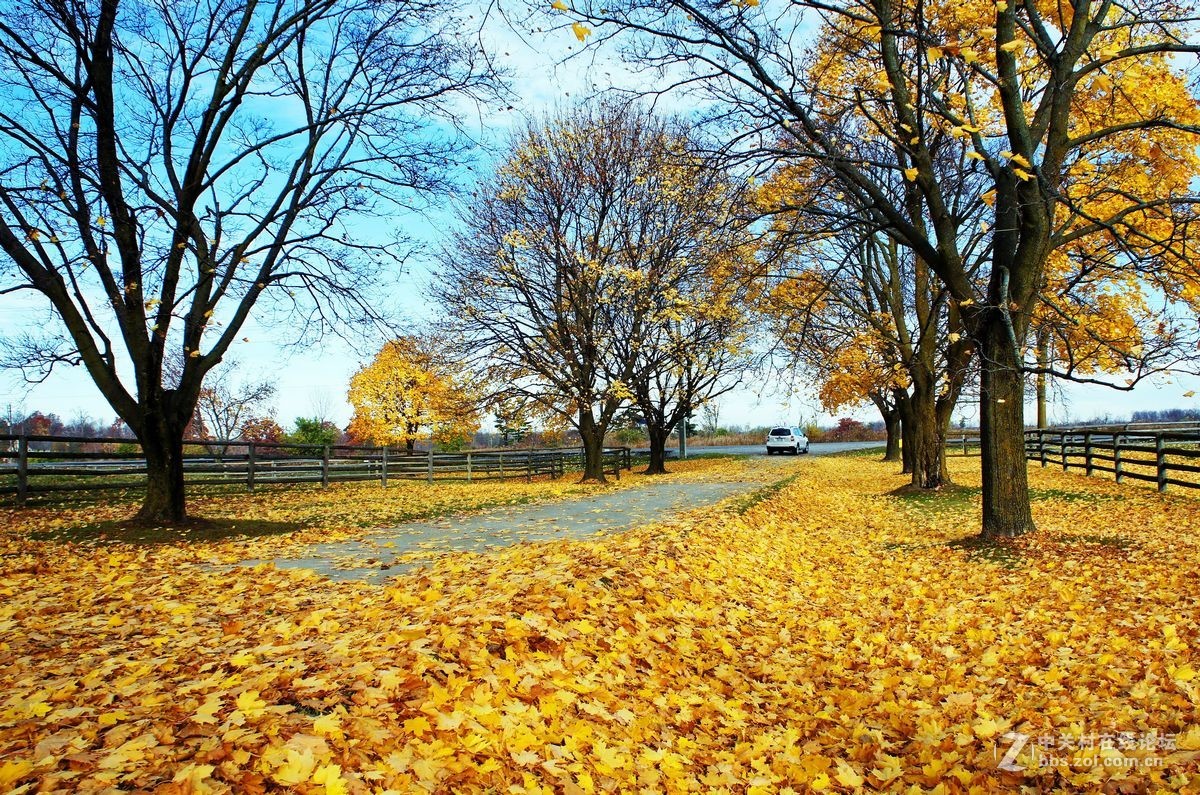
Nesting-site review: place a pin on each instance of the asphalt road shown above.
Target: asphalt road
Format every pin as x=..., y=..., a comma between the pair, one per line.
x=816, y=448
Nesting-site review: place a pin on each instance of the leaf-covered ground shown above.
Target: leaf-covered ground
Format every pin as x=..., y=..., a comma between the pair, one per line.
x=287, y=518
x=826, y=637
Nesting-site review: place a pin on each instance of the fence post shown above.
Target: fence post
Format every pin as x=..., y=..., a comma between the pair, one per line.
x=383, y=472
x=250, y=456
x=429, y=471
x=325, y=466
x=1087, y=451
x=529, y=465
x=628, y=458
x=964, y=444
x=468, y=466
x=1062, y=450
x=23, y=468
x=1042, y=446
x=502, y=466
x=1162, y=461
x=1117, y=465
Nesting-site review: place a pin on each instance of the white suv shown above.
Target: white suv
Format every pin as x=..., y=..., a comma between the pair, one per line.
x=791, y=440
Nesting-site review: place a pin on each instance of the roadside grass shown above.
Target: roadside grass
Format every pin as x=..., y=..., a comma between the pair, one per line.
x=83, y=492
x=863, y=452
x=948, y=511
x=1090, y=496
x=951, y=497
x=192, y=531
x=82, y=498
x=728, y=456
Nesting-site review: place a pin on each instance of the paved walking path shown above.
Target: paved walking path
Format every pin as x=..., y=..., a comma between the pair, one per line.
x=380, y=554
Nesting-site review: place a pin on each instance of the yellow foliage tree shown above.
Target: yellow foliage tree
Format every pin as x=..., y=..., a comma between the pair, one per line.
x=864, y=317
x=407, y=393
x=912, y=96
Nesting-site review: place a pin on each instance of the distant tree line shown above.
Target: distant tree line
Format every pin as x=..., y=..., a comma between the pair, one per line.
x=252, y=429
x=37, y=423
x=1166, y=415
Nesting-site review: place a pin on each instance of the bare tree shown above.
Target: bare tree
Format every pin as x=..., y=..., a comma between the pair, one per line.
x=166, y=168
x=695, y=354
x=571, y=274
x=320, y=401
x=227, y=405
x=711, y=412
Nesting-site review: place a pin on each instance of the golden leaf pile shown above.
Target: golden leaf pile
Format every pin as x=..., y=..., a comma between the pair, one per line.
x=829, y=638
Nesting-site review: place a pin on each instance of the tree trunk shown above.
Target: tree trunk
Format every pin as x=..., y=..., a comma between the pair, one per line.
x=592, y=436
x=165, y=501
x=906, y=441
x=1043, y=361
x=658, y=450
x=891, y=421
x=927, y=438
x=1002, y=427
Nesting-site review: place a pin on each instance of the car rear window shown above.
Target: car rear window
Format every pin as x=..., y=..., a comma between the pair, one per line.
x=781, y=432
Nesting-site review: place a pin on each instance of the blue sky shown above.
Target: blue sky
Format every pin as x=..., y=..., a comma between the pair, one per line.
x=545, y=77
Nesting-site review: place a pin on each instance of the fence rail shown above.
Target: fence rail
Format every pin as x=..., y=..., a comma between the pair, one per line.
x=1163, y=455
x=962, y=441
x=35, y=464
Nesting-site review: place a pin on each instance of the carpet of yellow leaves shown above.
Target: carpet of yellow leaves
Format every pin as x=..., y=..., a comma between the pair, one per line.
x=828, y=638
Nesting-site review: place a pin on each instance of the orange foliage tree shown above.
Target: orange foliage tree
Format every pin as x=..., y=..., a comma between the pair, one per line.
x=866, y=317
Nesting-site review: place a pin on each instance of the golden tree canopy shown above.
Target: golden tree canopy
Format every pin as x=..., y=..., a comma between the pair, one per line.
x=407, y=393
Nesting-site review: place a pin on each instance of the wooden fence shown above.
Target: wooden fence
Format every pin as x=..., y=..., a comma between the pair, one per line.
x=1163, y=455
x=962, y=442
x=34, y=464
